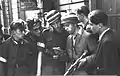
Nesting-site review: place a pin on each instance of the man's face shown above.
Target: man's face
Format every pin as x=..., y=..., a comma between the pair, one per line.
x=18, y=34
x=57, y=26
x=70, y=27
x=92, y=28
x=36, y=30
x=80, y=17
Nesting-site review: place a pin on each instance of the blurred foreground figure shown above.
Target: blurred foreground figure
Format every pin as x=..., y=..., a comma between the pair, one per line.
x=15, y=52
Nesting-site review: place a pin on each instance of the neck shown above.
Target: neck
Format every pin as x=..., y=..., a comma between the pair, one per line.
x=85, y=20
x=76, y=31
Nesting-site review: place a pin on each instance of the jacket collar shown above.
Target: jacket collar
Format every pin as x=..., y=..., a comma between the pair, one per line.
x=101, y=35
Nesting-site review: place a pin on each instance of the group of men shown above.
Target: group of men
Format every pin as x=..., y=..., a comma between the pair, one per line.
x=83, y=35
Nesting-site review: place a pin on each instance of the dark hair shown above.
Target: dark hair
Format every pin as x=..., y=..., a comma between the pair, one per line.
x=18, y=25
x=84, y=10
x=32, y=23
x=98, y=16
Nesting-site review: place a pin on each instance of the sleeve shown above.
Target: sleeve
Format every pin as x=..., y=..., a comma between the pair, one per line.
x=3, y=58
x=90, y=59
x=3, y=52
x=91, y=45
x=1, y=69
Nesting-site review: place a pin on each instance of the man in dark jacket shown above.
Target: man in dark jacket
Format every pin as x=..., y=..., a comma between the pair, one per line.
x=54, y=38
x=15, y=52
x=106, y=57
x=34, y=37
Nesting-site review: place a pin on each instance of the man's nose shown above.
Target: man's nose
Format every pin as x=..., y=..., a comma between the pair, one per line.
x=88, y=28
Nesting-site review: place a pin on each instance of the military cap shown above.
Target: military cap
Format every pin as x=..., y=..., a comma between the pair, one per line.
x=70, y=18
x=52, y=16
x=21, y=24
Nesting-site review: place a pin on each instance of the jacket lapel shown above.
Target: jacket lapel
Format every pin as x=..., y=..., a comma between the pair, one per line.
x=78, y=38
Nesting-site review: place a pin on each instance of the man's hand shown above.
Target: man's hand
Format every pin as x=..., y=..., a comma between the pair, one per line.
x=55, y=56
x=82, y=62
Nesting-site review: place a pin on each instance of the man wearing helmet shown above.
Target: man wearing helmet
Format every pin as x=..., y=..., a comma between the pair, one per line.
x=33, y=37
x=14, y=52
x=54, y=54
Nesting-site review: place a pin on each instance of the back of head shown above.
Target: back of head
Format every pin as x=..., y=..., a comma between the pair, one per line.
x=98, y=16
x=84, y=10
x=18, y=24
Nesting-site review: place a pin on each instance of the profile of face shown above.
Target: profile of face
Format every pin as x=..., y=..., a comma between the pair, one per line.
x=92, y=28
x=18, y=34
x=80, y=17
x=70, y=27
x=36, y=30
x=57, y=26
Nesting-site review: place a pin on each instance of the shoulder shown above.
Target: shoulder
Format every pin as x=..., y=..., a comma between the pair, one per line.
x=109, y=36
x=47, y=30
x=6, y=43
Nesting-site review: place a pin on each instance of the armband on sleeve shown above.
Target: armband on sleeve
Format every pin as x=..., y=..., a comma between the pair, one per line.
x=3, y=59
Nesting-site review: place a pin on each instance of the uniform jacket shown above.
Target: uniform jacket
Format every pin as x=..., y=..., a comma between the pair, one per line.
x=33, y=39
x=14, y=53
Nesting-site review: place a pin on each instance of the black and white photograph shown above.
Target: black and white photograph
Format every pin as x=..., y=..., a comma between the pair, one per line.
x=59, y=37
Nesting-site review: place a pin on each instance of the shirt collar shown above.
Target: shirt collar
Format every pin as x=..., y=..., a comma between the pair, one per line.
x=101, y=35
x=21, y=42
